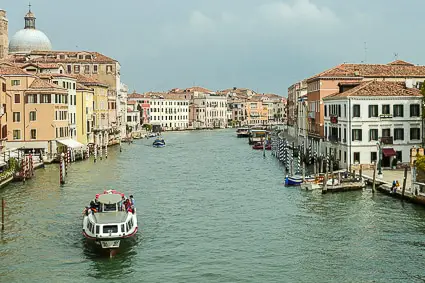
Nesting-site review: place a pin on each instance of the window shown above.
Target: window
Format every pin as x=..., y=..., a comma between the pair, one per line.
x=109, y=69
x=69, y=69
x=326, y=111
x=414, y=110
x=398, y=110
x=15, y=82
x=17, y=98
x=386, y=109
x=345, y=157
x=45, y=98
x=86, y=69
x=373, y=111
x=339, y=110
x=373, y=157
x=373, y=134
x=3, y=86
x=345, y=135
x=357, y=135
x=399, y=156
x=76, y=69
x=356, y=157
x=386, y=132
x=94, y=68
x=16, y=134
x=33, y=134
x=33, y=116
x=415, y=134
x=356, y=110
x=16, y=116
x=399, y=134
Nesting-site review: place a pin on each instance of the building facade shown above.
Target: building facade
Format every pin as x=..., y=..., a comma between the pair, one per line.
x=170, y=111
x=85, y=114
x=373, y=120
x=208, y=110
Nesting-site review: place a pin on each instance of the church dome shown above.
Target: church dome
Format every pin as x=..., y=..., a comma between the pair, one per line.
x=27, y=40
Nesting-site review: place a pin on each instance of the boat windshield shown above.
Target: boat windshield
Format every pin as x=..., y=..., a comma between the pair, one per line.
x=110, y=207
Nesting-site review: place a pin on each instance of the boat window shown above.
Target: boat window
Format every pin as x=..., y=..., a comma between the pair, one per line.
x=110, y=229
x=110, y=207
x=92, y=229
x=131, y=223
x=97, y=229
x=128, y=227
x=122, y=228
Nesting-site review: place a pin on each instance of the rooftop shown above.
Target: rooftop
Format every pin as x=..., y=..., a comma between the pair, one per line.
x=377, y=88
x=43, y=85
x=393, y=69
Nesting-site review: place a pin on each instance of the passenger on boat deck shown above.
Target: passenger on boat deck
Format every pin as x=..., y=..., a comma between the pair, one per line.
x=93, y=206
x=132, y=200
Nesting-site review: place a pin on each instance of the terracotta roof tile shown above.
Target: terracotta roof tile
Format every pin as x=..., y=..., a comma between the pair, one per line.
x=82, y=87
x=43, y=85
x=131, y=102
x=396, y=69
x=89, y=81
x=51, y=56
x=12, y=70
x=136, y=95
x=377, y=88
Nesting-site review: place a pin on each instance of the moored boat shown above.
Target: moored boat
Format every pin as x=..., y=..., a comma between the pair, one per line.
x=242, y=132
x=295, y=180
x=110, y=221
x=259, y=145
x=159, y=142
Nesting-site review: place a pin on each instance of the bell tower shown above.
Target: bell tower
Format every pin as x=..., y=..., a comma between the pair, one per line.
x=4, y=34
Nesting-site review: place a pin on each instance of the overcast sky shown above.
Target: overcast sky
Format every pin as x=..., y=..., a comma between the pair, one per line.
x=265, y=45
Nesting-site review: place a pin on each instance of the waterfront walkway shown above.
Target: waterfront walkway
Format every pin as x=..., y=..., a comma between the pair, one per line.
x=389, y=176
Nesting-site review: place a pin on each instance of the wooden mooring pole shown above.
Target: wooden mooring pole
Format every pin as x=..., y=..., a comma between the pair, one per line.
x=2, y=213
x=374, y=178
x=404, y=182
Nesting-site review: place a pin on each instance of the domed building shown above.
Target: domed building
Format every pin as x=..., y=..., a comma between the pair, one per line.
x=29, y=39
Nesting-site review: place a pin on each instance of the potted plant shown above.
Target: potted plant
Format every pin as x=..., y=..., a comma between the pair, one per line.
x=394, y=163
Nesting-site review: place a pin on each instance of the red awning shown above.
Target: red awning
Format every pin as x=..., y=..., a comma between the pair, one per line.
x=388, y=152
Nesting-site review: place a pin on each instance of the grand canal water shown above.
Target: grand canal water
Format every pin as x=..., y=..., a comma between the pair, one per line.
x=210, y=210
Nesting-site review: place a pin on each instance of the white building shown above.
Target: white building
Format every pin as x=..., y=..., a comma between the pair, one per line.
x=171, y=111
x=364, y=115
x=302, y=118
x=209, y=110
x=122, y=107
x=133, y=117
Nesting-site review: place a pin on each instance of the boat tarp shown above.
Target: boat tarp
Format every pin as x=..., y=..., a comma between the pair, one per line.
x=71, y=143
x=109, y=198
x=110, y=217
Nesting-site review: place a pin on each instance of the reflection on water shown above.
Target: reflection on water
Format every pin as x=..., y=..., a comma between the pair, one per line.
x=210, y=209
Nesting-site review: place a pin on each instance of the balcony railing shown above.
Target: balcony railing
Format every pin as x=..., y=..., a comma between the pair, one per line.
x=334, y=139
x=385, y=116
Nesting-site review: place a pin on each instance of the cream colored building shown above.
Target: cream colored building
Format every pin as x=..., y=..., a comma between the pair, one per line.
x=85, y=114
x=171, y=111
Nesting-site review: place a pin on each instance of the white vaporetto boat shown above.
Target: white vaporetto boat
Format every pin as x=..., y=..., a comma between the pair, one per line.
x=110, y=221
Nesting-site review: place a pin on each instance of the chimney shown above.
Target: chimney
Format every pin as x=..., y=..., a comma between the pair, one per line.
x=409, y=83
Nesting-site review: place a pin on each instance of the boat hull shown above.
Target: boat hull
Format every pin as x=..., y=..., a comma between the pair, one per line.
x=158, y=145
x=244, y=135
x=293, y=181
x=111, y=246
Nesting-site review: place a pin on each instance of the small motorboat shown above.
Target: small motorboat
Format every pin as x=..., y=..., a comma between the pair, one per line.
x=259, y=145
x=159, y=142
x=242, y=132
x=110, y=221
x=295, y=180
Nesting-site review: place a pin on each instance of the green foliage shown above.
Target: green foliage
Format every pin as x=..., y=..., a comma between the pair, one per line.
x=420, y=163
x=148, y=127
x=13, y=167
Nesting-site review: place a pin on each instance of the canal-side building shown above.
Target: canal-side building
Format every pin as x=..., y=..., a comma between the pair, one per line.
x=5, y=101
x=85, y=114
x=101, y=127
x=239, y=112
x=365, y=116
x=326, y=83
x=142, y=105
x=170, y=111
x=208, y=110
x=133, y=118
x=295, y=91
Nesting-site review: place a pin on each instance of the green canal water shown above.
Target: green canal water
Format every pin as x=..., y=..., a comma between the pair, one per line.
x=210, y=210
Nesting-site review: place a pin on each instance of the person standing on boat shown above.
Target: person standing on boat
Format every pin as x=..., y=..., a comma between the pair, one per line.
x=132, y=200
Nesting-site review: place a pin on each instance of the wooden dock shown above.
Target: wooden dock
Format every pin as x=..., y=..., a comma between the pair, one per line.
x=344, y=187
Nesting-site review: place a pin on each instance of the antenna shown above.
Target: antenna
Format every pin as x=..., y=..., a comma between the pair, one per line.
x=395, y=56
x=365, y=52
x=29, y=5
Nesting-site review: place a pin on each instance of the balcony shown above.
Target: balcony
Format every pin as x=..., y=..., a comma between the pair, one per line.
x=334, y=139
x=385, y=116
x=387, y=140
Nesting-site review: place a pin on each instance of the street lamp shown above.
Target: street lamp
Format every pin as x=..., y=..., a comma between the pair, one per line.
x=379, y=144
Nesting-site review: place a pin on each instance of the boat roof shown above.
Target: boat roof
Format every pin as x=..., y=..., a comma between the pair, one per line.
x=109, y=198
x=112, y=217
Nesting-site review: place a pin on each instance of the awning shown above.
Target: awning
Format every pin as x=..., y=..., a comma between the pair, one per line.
x=388, y=152
x=71, y=143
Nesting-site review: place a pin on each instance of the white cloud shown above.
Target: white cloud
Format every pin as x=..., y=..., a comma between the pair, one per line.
x=301, y=12
x=199, y=22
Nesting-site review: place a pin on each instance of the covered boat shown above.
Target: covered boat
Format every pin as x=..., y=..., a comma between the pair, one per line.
x=159, y=142
x=110, y=221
